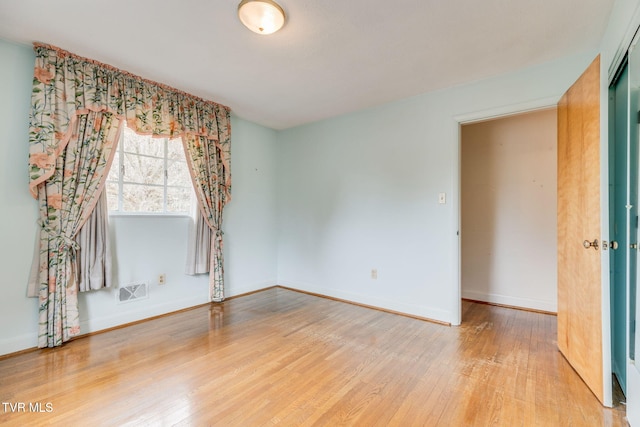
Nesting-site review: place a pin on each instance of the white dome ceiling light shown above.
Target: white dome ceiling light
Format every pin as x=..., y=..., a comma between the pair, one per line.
x=261, y=16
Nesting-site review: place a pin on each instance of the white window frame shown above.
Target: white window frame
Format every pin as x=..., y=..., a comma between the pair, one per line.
x=122, y=174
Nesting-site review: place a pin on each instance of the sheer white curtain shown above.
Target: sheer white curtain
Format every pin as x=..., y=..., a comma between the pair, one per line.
x=94, y=255
x=198, y=244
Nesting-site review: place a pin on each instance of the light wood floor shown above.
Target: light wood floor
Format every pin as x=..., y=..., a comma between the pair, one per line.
x=280, y=357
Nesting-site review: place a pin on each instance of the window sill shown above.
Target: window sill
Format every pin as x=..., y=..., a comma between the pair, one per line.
x=147, y=215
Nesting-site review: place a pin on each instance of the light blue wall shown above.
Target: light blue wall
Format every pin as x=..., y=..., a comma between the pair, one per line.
x=18, y=210
x=144, y=247
x=360, y=191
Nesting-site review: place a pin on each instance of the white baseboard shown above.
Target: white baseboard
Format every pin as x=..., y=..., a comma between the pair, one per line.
x=119, y=319
x=409, y=309
x=95, y=325
x=28, y=341
x=19, y=343
x=258, y=286
x=531, y=303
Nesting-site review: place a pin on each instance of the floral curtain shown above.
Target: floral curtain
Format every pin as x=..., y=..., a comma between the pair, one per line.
x=65, y=85
x=203, y=158
x=77, y=106
x=66, y=200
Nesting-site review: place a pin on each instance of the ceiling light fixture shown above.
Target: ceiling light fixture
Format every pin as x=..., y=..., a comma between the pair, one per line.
x=261, y=16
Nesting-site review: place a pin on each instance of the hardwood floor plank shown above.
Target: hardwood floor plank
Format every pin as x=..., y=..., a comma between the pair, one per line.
x=280, y=357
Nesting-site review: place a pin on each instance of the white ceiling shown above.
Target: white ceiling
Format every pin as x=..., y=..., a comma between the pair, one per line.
x=332, y=56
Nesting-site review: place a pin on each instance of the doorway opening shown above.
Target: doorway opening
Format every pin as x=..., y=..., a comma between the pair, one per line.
x=508, y=199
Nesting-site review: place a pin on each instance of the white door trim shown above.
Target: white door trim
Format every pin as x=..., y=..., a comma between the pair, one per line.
x=464, y=119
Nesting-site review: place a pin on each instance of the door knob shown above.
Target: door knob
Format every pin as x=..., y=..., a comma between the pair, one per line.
x=613, y=245
x=587, y=244
x=633, y=246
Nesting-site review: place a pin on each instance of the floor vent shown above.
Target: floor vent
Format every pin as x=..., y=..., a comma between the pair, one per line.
x=132, y=292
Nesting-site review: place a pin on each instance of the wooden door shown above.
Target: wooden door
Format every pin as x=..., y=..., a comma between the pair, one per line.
x=579, y=265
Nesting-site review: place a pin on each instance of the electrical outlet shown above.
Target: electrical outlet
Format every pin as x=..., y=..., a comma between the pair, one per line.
x=374, y=273
x=442, y=198
x=162, y=279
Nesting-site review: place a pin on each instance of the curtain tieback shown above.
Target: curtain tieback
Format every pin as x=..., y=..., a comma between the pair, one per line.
x=218, y=234
x=64, y=244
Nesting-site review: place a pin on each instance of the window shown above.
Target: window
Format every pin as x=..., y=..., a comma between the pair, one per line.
x=149, y=176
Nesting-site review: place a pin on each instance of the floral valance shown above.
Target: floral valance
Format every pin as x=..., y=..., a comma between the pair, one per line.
x=76, y=85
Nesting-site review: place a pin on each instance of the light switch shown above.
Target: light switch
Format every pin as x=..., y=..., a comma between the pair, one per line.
x=442, y=198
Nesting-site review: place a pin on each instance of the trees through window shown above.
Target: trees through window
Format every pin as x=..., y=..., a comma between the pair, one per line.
x=149, y=176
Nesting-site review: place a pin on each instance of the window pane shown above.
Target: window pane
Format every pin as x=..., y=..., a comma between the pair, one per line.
x=179, y=199
x=142, y=144
x=115, y=168
x=142, y=198
x=142, y=177
x=112, y=195
x=143, y=170
x=178, y=174
x=174, y=149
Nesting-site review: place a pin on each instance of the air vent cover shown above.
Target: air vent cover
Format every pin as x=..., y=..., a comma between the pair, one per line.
x=133, y=292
